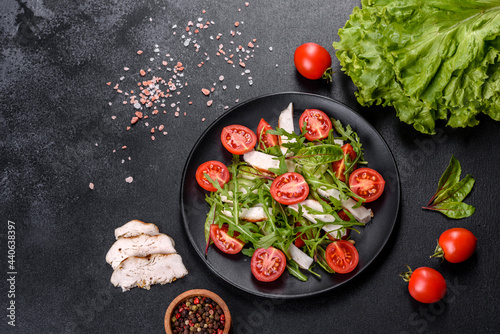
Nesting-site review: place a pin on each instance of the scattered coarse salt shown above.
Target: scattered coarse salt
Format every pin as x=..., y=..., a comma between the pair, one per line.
x=129, y=179
x=124, y=147
x=203, y=119
x=271, y=48
x=221, y=78
x=205, y=91
x=91, y=186
x=139, y=52
x=209, y=103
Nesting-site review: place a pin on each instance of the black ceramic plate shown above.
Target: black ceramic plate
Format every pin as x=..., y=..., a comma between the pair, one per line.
x=235, y=269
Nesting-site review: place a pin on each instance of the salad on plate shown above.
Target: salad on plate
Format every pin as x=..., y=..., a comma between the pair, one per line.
x=288, y=200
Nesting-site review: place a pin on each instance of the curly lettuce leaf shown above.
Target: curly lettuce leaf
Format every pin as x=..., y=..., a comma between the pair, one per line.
x=429, y=59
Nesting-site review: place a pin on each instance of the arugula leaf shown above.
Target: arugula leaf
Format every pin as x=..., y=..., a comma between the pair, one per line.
x=294, y=270
x=451, y=192
x=318, y=154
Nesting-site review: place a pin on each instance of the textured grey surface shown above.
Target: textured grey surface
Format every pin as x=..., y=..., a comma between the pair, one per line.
x=57, y=135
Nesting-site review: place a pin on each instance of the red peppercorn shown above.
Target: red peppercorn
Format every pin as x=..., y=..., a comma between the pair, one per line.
x=220, y=331
x=196, y=300
x=222, y=317
x=177, y=315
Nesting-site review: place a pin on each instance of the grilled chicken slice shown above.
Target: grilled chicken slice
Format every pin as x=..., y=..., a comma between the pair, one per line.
x=141, y=245
x=253, y=214
x=336, y=231
x=263, y=162
x=361, y=213
x=303, y=260
x=143, y=272
x=285, y=122
x=134, y=228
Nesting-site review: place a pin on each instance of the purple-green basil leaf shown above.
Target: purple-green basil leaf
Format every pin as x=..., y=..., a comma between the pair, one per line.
x=455, y=210
x=457, y=192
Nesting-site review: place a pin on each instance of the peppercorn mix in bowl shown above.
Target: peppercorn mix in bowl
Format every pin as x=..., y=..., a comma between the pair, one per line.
x=197, y=311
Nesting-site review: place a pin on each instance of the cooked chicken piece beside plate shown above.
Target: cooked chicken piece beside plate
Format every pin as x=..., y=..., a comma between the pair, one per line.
x=142, y=256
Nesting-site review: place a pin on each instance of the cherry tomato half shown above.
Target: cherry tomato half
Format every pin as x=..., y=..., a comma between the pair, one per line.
x=217, y=172
x=267, y=264
x=339, y=166
x=238, y=139
x=456, y=245
x=426, y=285
x=342, y=256
x=312, y=61
x=265, y=139
x=318, y=124
x=223, y=241
x=367, y=183
x=289, y=188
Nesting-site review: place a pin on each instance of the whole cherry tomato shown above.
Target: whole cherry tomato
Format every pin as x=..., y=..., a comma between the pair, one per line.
x=425, y=284
x=313, y=61
x=456, y=245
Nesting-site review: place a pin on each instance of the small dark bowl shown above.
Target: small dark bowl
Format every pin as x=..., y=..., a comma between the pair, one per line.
x=192, y=293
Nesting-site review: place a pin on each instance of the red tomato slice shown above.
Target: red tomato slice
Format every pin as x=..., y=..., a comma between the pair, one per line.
x=267, y=264
x=339, y=166
x=318, y=124
x=217, y=172
x=265, y=139
x=238, y=139
x=223, y=241
x=342, y=256
x=367, y=183
x=289, y=188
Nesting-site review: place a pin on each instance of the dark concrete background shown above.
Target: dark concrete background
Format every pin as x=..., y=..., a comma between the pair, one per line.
x=57, y=135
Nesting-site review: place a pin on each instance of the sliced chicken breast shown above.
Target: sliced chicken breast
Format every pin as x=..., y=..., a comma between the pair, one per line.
x=253, y=214
x=141, y=245
x=263, y=162
x=143, y=272
x=336, y=231
x=303, y=260
x=134, y=228
x=285, y=122
x=361, y=214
